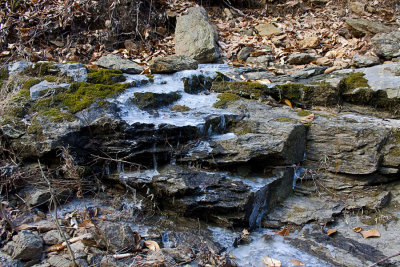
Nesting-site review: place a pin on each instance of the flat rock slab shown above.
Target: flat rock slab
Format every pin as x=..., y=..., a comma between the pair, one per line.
x=117, y=63
x=172, y=64
x=360, y=27
x=387, y=45
x=214, y=196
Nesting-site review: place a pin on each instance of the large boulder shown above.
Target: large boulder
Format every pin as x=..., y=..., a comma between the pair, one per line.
x=196, y=37
x=172, y=64
x=360, y=27
x=387, y=45
x=117, y=63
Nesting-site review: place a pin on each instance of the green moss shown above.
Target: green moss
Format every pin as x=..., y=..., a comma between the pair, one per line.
x=29, y=83
x=35, y=127
x=57, y=115
x=105, y=76
x=396, y=136
x=41, y=69
x=224, y=99
x=150, y=76
x=292, y=91
x=303, y=113
x=381, y=217
x=22, y=96
x=353, y=81
x=3, y=75
x=285, y=119
x=51, y=79
x=180, y=108
x=395, y=152
x=250, y=90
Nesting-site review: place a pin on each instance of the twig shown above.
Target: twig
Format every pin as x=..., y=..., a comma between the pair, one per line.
x=123, y=256
x=116, y=160
x=385, y=259
x=53, y=200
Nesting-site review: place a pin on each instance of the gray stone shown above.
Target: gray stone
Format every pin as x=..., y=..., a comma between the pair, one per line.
x=261, y=60
x=361, y=61
x=27, y=246
x=300, y=58
x=53, y=237
x=76, y=71
x=196, y=37
x=146, y=101
x=116, y=236
x=59, y=261
x=244, y=53
x=359, y=27
x=115, y=62
x=45, y=85
x=109, y=261
x=172, y=64
x=18, y=66
x=268, y=29
x=387, y=45
x=196, y=84
x=7, y=261
x=38, y=197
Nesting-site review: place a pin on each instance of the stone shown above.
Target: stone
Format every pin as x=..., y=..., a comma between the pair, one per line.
x=244, y=53
x=109, y=261
x=215, y=197
x=261, y=60
x=108, y=231
x=268, y=29
x=35, y=91
x=53, y=237
x=38, y=197
x=357, y=8
x=59, y=261
x=360, y=27
x=362, y=61
x=76, y=71
x=117, y=63
x=309, y=42
x=172, y=64
x=387, y=45
x=300, y=58
x=146, y=101
x=196, y=37
x=27, y=246
x=18, y=66
x=196, y=84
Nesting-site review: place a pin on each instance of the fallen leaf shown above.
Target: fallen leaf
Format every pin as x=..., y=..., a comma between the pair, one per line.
x=284, y=232
x=270, y=262
x=287, y=102
x=308, y=119
x=357, y=229
x=370, y=233
x=331, y=231
x=146, y=71
x=245, y=232
x=56, y=247
x=87, y=224
x=24, y=227
x=152, y=245
x=264, y=81
x=295, y=262
x=331, y=69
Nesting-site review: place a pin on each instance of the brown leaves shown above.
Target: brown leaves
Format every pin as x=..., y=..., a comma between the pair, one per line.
x=331, y=232
x=287, y=102
x=152, y=245
x=370, y=233
x=284, y=232
x=308, y=119
x=295, y=262
x=270, y=262
x=357, y=229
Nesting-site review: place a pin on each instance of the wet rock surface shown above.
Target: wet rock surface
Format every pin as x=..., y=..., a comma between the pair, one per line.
x=172, y=64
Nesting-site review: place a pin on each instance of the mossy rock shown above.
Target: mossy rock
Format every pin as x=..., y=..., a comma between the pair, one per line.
x=244, y=127
x=180, y=108
x=251, y=90
x=353, y=81
x=224, y=99
x=196, y=84
x=41, y=69
x=3, y=76
x=105, y=76
x=151, y=100
x=292, y=91
x=286, y=119
x=303, y=113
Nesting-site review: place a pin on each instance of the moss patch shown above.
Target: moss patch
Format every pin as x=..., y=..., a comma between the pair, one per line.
x=285, y=119
x=251, y=90
x=303, y=113
x=224, y=99
x=41, y=69
x=292, y=91
x=353, y=81
x=180, y=108
x=105, y=76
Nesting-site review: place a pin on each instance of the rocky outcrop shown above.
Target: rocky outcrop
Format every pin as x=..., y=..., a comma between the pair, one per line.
x=25, y=246
x=42, y=87
x=117, y=63
x=196, y=37
x=213, y=196
x=172, y=64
